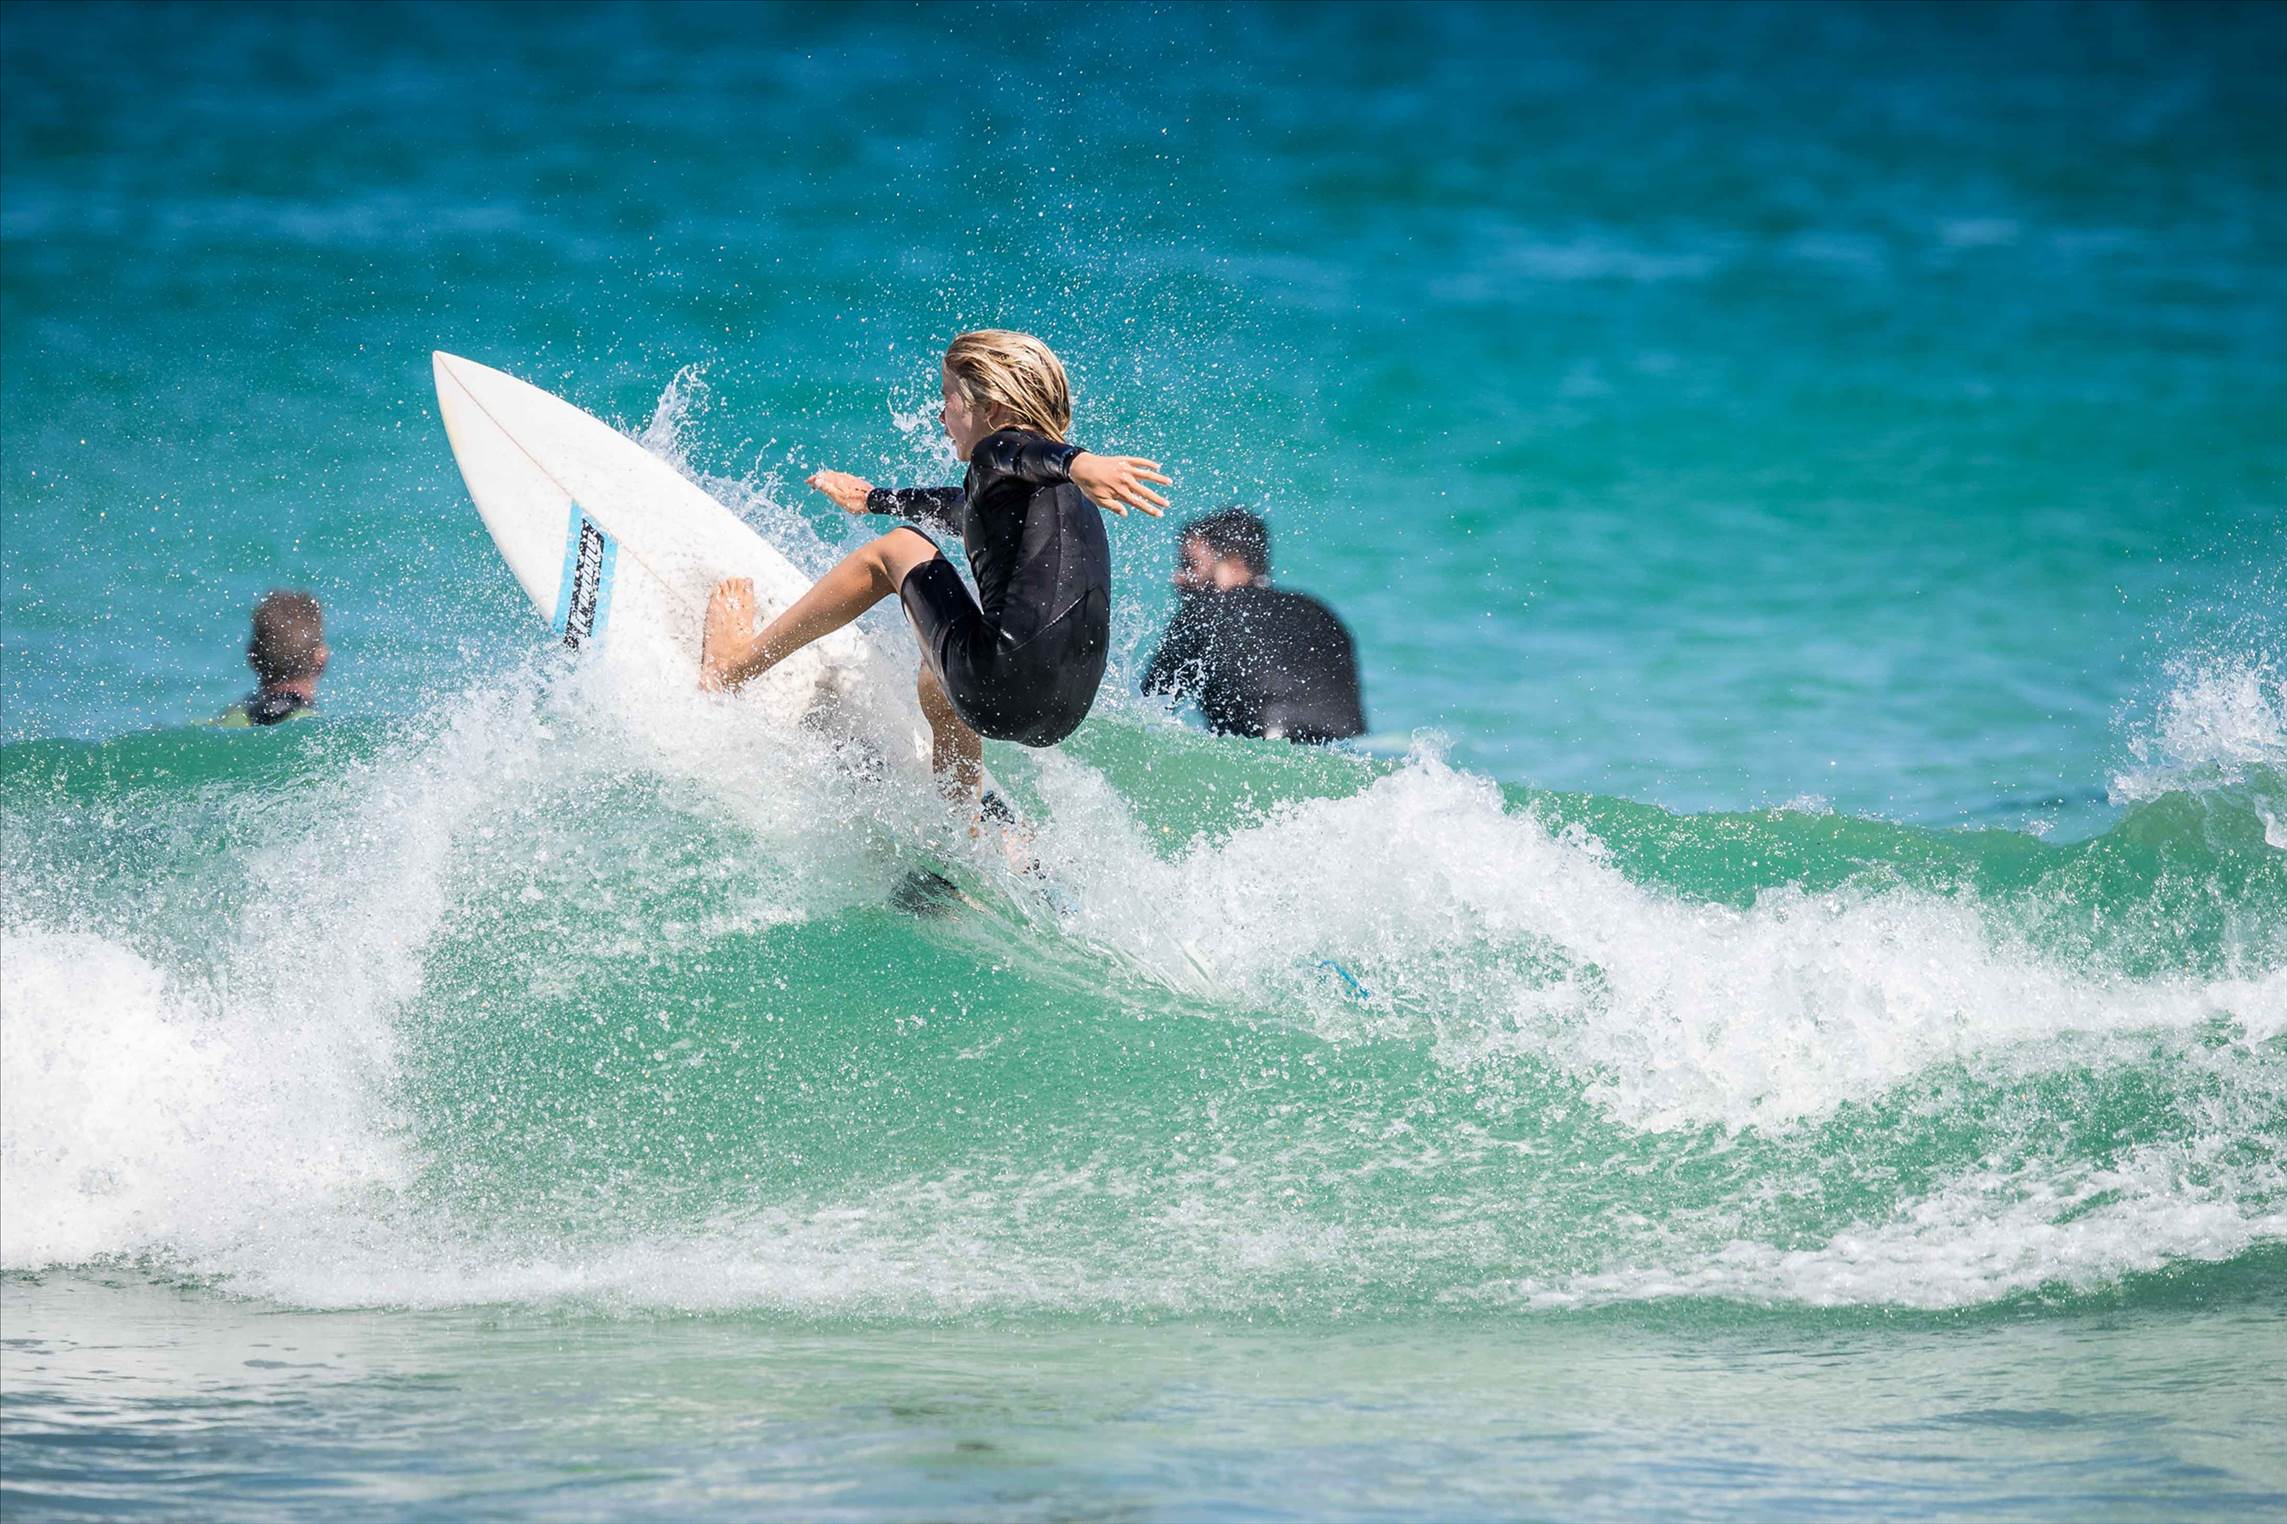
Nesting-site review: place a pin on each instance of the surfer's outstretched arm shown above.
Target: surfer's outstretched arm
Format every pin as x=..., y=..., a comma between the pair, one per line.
x=930, y=507
x=733, y=653
x=1114, y=483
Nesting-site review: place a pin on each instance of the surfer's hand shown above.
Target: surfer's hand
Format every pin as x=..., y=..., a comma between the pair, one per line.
x=848, y=492
x=1115, y=483
x=730, y=626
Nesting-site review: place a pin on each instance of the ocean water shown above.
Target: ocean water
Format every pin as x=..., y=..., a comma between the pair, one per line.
x=1785, y=1017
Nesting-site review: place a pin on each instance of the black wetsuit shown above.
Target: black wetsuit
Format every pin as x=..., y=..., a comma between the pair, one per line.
x=1025, y=665
x=1261, y=662
x=266, y=706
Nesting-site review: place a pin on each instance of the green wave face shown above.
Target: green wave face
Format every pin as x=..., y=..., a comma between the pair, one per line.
x=526, y=1003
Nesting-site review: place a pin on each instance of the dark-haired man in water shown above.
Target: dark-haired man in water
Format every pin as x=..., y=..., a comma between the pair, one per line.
x=288, y=654
x=1257, y=660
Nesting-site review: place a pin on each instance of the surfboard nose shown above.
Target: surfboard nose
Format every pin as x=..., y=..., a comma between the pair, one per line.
x=466, y=375
x=469, y=375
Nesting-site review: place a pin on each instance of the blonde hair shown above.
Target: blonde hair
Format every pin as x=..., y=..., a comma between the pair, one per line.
x=1015, y=372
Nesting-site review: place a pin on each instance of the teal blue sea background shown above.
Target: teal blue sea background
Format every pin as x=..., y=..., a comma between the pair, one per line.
x=1785, y=1017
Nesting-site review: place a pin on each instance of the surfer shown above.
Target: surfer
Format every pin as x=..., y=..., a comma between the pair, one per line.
x=1258, y=660
x=1020, y=661
x=288, y=654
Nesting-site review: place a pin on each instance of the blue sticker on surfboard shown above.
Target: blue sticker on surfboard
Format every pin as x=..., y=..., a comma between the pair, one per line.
x=583, y=601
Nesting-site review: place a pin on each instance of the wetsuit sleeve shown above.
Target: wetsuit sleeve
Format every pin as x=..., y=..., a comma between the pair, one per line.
x=1020, y=456
x=940, y=506
x=1177, y=666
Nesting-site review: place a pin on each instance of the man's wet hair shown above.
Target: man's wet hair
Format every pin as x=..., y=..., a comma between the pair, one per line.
x=289, y=631
x=1235, y=532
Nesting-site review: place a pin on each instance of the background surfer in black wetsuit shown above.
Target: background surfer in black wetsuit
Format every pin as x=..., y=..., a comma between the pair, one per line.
x=1023, y=659
x=1257, y=660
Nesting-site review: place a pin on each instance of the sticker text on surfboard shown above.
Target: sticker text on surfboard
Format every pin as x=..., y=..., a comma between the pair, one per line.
x=583, y=602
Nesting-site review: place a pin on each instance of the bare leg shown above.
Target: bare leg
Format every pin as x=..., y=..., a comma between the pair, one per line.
x=955, y=751
x=958, y=756
x=731, y=654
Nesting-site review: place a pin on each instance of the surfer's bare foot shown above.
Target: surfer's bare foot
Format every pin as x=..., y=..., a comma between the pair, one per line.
x=729, y=637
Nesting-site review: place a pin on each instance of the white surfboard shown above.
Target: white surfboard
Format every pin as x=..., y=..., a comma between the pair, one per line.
x=616, y=548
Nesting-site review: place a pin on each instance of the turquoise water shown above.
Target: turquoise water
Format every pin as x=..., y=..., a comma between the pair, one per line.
x=1786, y=1017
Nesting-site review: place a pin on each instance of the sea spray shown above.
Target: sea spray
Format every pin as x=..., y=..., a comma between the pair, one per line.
x=525, y=1002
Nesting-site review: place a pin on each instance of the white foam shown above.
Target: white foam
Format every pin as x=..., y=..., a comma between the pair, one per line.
x=1506, y=943
x=178, y=1098
x=139, y=1119
x=1986, y=1237
x=242, y=1125
x=2223, y=720
x=208, y=1102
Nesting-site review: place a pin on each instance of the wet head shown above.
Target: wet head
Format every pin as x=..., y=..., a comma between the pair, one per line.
x=994, y=378
x=288, y=644
x=1222, y=551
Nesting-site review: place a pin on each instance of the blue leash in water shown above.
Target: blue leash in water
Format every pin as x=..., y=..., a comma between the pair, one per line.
x=1347, y=978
